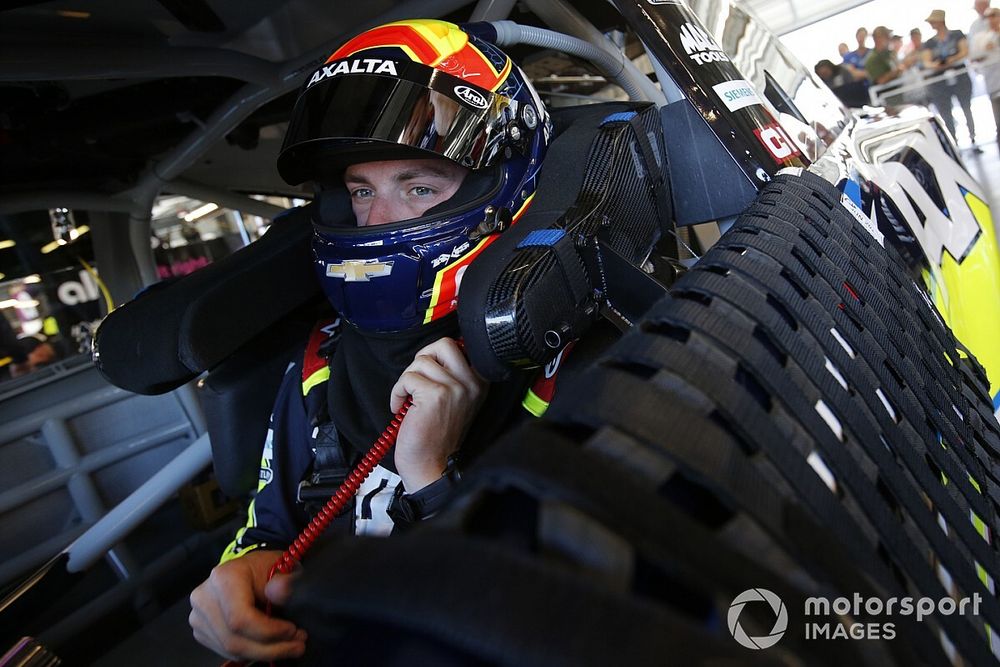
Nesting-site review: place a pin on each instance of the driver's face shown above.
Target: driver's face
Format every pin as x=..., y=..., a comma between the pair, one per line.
x=397, y=190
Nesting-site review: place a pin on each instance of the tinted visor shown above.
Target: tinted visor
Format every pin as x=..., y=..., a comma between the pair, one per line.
x=346, y=118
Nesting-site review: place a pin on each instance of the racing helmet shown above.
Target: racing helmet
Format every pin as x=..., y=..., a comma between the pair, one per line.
x=413, y=89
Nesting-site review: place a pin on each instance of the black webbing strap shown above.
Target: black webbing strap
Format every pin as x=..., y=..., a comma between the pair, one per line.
x=535, y=459
x=812, y=188
x=761, y=362
x=719, y=383
x=700, y=445
x=797, y=345
x=497, y=604
x=656, y=163
x=919, y=354
x=834, y=395
x=572, y=265
x=562, y=252
x=942, y=368
x=841, y=224
x=330, y=468
x=696, y=362
x=860, y=375
x=874, y=268
x=779, y=249
x=911, y=302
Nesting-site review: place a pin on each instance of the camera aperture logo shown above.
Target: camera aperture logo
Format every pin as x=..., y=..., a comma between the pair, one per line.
x=780, y=618
x=856, y=617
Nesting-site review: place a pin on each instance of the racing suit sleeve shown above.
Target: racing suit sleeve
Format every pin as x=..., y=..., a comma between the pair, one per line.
x=408, y=508
x=274, y=518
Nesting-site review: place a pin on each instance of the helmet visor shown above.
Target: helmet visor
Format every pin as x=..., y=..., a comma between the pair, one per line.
x=341, y=120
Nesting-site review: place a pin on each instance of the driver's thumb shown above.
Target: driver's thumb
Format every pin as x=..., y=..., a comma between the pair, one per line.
x=279, y=589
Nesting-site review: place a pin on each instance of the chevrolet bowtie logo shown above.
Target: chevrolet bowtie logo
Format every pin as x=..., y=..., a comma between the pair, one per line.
x=358, y=271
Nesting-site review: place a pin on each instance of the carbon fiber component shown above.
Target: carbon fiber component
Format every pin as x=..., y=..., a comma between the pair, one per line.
x=550, y=290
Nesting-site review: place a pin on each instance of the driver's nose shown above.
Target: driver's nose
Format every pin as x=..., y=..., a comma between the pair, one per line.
x=385, y=210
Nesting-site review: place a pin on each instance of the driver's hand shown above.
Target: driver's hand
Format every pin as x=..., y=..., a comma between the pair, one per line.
x=227, y=616
x=446, y=393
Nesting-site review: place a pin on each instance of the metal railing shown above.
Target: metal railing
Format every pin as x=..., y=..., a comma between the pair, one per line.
x=76, y=465
x=916, y=90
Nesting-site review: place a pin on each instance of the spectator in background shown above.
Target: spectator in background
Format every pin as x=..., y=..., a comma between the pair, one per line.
x=843, y=49
x=855, y=60
x=944, y=57
x=991, y=72
x=896, y=47
x=833, y=75
x=912, y=76
x=979, y=31
x=19, y=356
x=913, y=51
x=850, y=91
x=880, y=66
x=190, y=233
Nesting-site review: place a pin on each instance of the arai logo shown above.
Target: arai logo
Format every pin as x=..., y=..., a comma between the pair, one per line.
x=471, y=97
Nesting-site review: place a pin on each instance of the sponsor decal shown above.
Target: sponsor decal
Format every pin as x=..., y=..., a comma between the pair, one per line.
x=955, y=229
x=447, y=257
x=736, y=94
x=72, y=292
x=471, y=97
x=866, y=221
x=777, y=143
x=699, y=46
x=358, y=271
x=455, y=67
x=448, y=280
x=529, y=116
x=266, y=474
x=552, y=367
x=356, y=66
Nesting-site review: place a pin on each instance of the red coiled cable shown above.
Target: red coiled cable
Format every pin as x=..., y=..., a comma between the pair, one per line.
x=345, y=492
